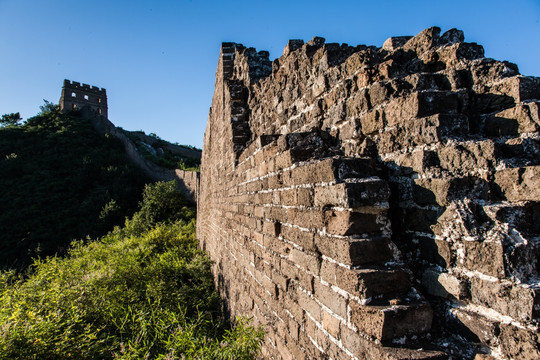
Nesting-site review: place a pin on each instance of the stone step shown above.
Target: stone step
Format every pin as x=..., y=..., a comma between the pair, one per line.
x=522, y=118
x=422, y=131
x=355, y=252
x=413, y=354
x=505, y=94
x=373, y=283
x=371, y=192
x=517, y=152
x=476, y=327
x=392, y=323
x=518, y=184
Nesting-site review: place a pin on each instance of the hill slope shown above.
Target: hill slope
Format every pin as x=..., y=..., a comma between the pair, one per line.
x=60, y=180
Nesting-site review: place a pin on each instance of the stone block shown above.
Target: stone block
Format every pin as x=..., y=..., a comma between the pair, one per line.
x=441, y=191
x=417, y=161
x=353, y=195
x=514, y=300
x=272, y=228
x=276, y=213
x=291, y=46
x=275, y=181
x=393, y=353
x=387, y=323
x=309, y=305
x=519, y=343
x=427, y=81
x=354, y=168
x=352, y=223
x=451, y=55
x=467, y=156
x=354, y=252
x=372, y=121
x=476, y=327
x=518, y=184
x=518, y=88
x=380, y=92
x=304, y=197
x=306, y=218
x=444, y=285
x=358, y=103
x=374, y=282
x=288, y=197
x=521, y=217
x=421, y=104
x=395, y=42
x=283, y=160
x=328, y=272
x=486, y=257
x=423, y=41
x=305, y=260
x=331, y=324
x=301, y=238
x=484, y=357
x=280, y=280
x=523, y=118
x=331, y=299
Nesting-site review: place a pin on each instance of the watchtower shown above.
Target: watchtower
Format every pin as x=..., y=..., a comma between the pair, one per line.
x=77, y=96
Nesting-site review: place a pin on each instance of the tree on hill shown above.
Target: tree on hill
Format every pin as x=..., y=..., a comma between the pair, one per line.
x=12, y=119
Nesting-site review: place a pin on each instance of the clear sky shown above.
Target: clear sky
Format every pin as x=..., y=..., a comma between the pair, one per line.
x=157, y=59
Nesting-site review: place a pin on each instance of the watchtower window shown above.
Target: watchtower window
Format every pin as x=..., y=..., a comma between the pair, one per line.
x=99, y=100
x=73, y=94
x=99, y=111
x=85, y=97
x=74, y=106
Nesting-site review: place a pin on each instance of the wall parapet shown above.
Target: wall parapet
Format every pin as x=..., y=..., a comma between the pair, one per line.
x=376, y=203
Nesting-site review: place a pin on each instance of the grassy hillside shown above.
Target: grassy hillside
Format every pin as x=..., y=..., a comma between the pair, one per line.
x=144, y=291
x=60, y=180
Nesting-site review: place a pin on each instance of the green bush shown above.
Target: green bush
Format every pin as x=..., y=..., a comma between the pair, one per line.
x=144, y=291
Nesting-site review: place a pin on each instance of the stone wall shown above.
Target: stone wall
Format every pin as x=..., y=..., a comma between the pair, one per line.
x=187, y=181
x=376, y=203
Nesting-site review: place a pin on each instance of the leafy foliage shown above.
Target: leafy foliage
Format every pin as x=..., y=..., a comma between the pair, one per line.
x=144, y=291
x=12, y=119
x=60, y=180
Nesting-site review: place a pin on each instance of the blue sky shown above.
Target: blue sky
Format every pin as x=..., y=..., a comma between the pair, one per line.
x=157, y=59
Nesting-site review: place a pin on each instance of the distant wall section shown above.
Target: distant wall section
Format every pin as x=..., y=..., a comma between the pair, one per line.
x=91, y=101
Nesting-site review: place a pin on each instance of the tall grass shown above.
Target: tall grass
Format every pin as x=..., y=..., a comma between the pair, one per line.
x=144, y=291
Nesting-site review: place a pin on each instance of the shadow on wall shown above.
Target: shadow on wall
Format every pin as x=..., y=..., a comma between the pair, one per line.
x=472, y=239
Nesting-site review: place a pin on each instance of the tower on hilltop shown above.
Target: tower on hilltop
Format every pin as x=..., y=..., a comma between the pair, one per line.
x=76, y=96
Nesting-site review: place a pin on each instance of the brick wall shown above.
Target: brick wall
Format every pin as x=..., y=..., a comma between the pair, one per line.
x=376, y=203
